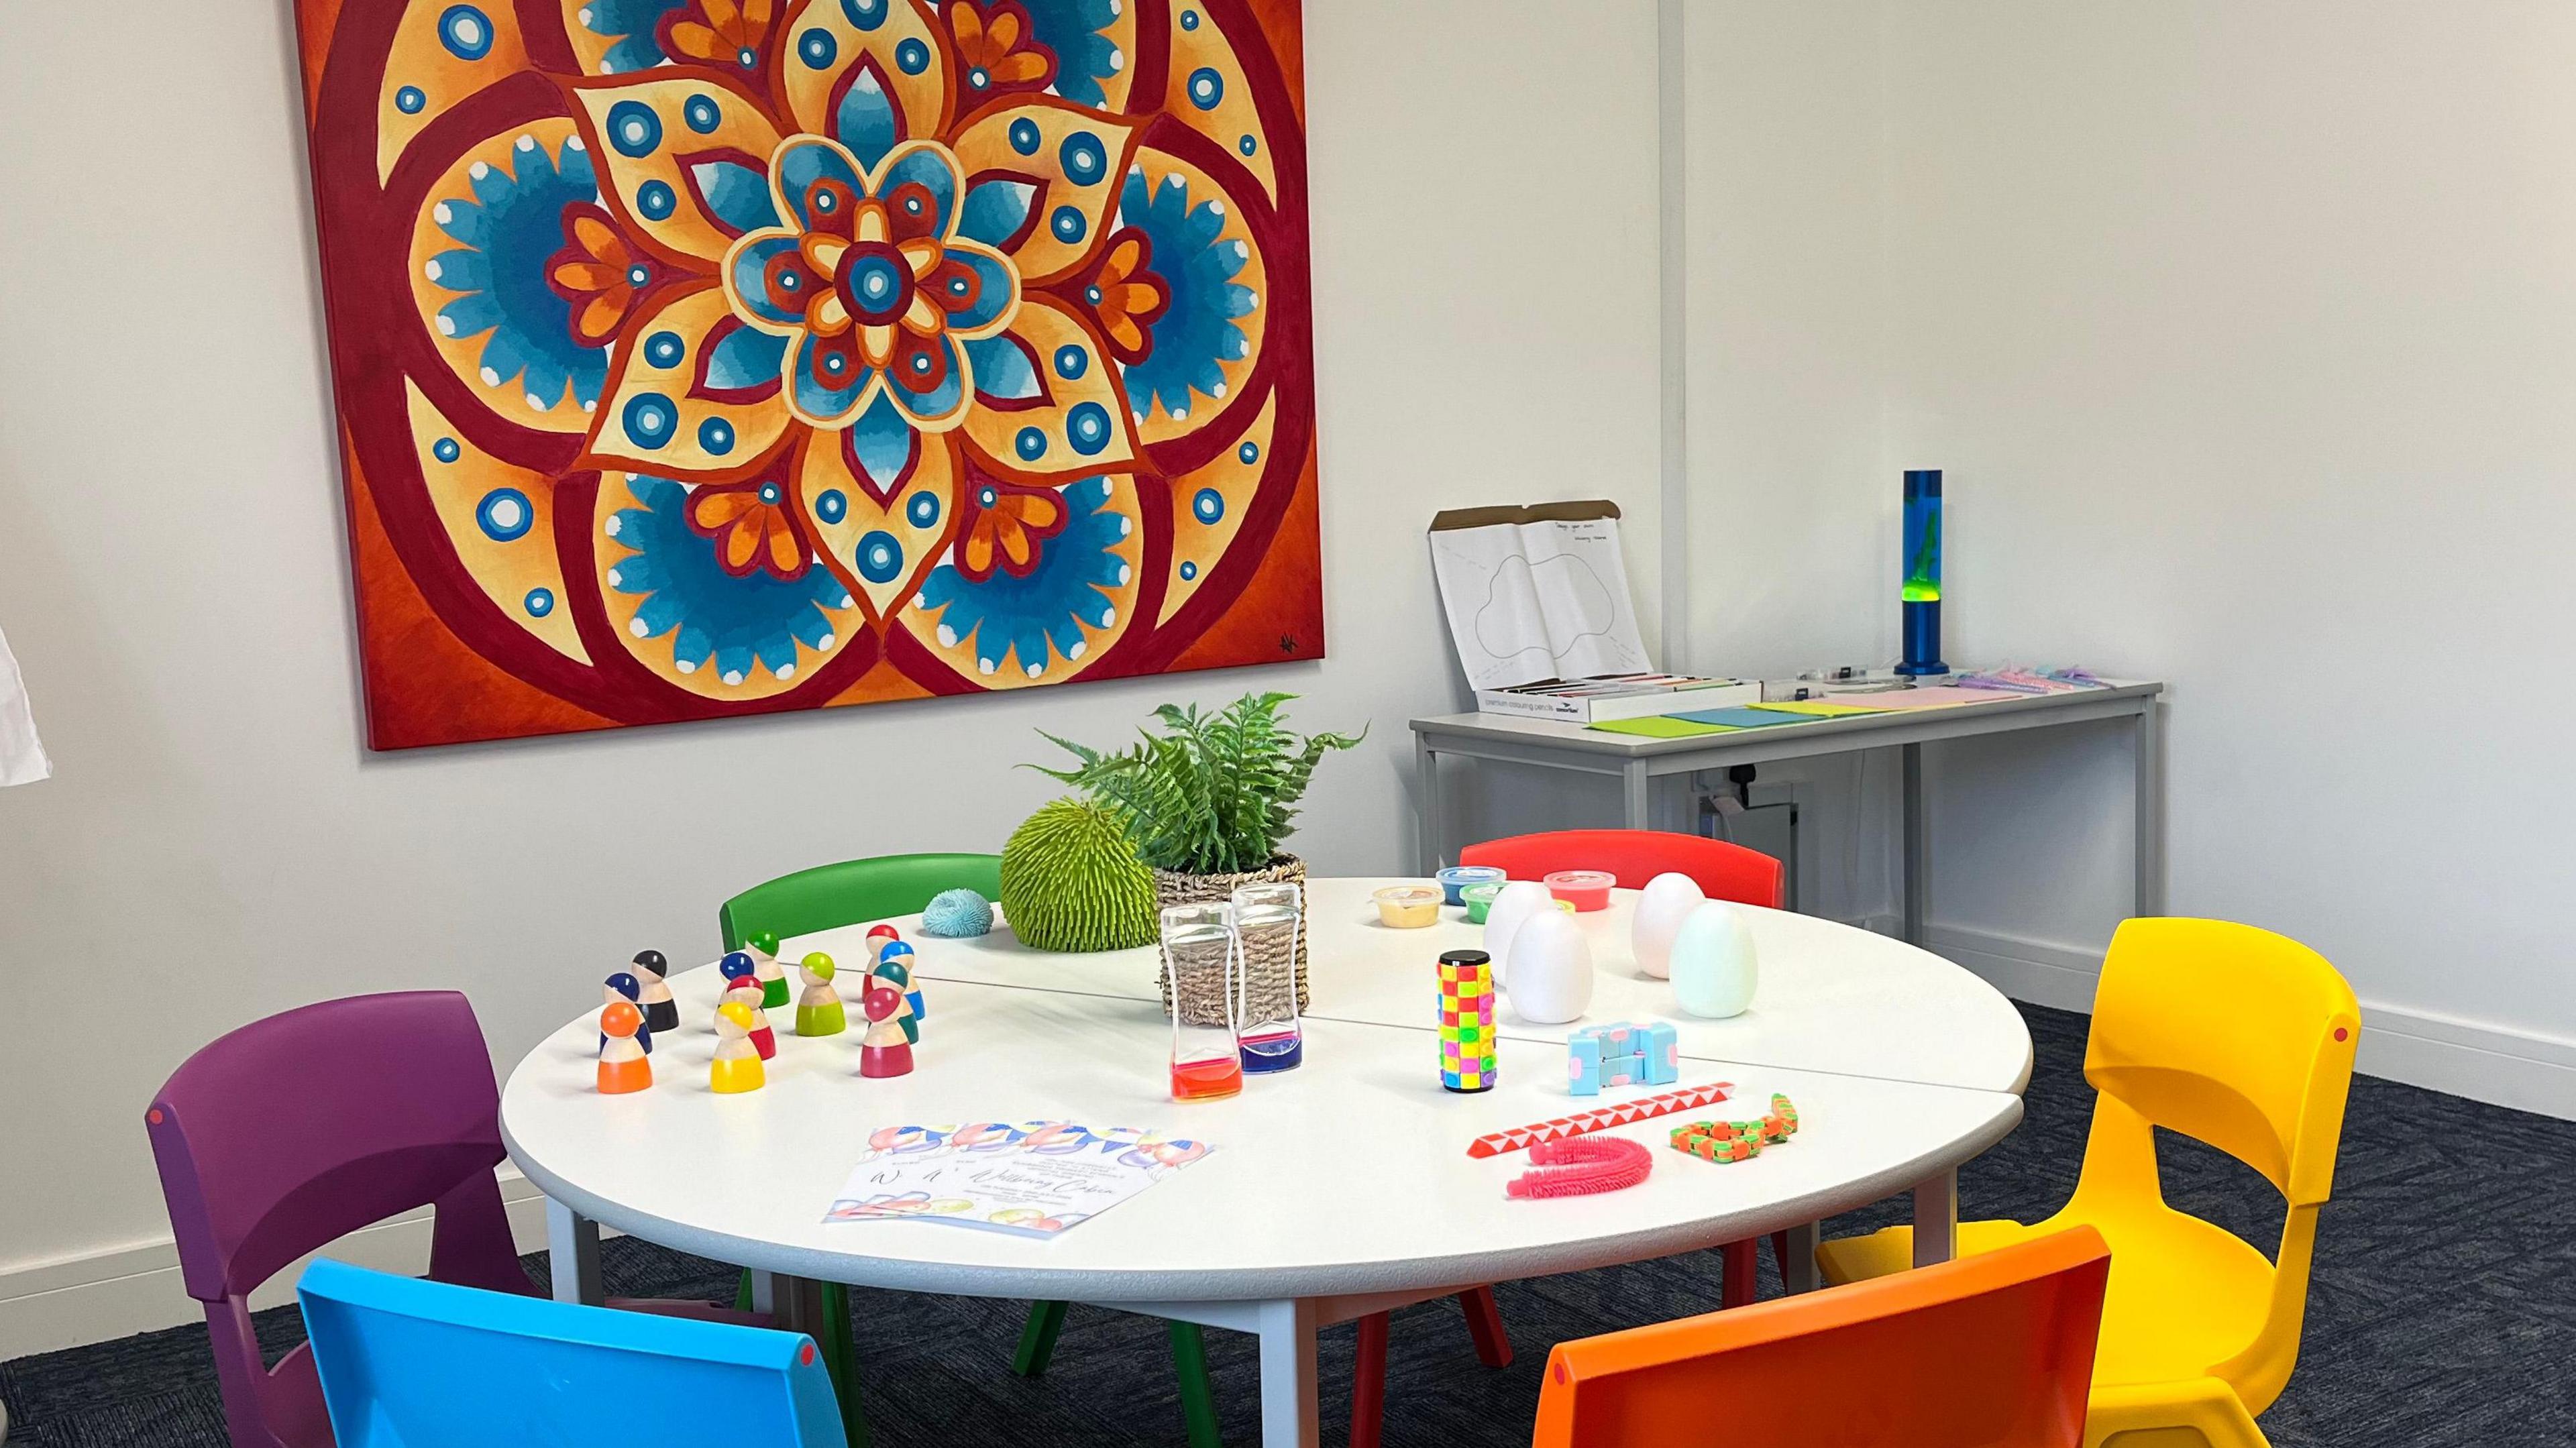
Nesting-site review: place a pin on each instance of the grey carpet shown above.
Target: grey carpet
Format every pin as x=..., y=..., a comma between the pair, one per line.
x=2443, y=1309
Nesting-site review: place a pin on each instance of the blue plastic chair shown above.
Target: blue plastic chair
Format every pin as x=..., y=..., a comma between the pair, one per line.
x=415, y=1364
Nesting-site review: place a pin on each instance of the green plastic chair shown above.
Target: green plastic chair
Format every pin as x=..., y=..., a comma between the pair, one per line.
x=826, y=898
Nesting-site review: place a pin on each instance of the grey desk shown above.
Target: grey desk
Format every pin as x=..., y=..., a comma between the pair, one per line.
x=1638, y=762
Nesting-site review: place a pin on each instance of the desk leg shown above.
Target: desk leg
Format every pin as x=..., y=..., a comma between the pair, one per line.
x=572, y=1250
x=1638, y=790
x=2151, y=809
x=1918, y=837
x=1936, y=1220
x=1427, y=813
x=1798, y=1264
x=1288, y=1411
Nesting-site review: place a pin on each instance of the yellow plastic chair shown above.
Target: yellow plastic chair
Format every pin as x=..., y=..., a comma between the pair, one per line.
x=2235, y=1037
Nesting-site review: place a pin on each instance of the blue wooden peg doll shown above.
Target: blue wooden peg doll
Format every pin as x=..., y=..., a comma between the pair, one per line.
x=623, y=986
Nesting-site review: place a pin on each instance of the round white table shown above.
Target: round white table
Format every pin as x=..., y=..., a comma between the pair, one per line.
x=1335, y=1190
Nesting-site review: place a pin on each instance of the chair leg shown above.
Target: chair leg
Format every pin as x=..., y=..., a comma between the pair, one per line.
x=1037, y=1339
x=742, y=1292
x=1780, y=1257
x=1198, y=1395
x=1368, y=1381
x=1485, y=1324
x=841, y=1356
x=1742, y=1262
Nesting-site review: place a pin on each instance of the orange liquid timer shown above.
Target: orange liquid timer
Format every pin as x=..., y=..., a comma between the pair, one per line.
x=1206, y=1080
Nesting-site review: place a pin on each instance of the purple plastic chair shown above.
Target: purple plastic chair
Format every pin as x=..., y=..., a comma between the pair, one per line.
x=296, y=1130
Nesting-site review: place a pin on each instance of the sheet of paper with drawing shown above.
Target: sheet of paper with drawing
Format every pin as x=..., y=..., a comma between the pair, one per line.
x=1028, y=1178
x=1537, y=593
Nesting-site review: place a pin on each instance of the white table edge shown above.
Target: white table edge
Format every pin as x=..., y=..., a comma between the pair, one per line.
x=1037, y=1283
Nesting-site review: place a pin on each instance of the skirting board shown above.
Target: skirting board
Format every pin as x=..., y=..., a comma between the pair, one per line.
x=98, y=1296
x=2476, y=1059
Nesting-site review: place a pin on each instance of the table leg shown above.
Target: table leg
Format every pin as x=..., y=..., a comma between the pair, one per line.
x=2151, y=809
x=1427, y=816
x=1638, y=789
x=572, y=1249
x=1936, y=1219
x=1798, y=1263
x=1288, y=1411
x=1918, y=883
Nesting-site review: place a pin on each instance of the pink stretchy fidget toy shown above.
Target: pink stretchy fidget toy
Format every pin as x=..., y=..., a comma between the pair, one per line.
x=1581, y=1166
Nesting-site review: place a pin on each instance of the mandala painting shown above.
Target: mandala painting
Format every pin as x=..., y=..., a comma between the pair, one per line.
x=710, y=357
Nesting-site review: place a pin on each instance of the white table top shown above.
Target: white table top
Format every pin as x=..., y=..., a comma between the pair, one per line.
x=1346, y=1176
x=1832, y=998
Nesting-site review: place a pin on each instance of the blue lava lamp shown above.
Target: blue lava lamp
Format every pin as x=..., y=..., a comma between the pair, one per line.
x=1922, y=582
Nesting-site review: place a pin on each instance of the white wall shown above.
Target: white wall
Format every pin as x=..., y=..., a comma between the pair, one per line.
x=218, y=845
x=2247, y=337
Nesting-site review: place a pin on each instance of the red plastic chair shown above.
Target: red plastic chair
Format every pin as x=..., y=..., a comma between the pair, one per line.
x=294, y=1131
x=1724, y=871
x=1991, y=1351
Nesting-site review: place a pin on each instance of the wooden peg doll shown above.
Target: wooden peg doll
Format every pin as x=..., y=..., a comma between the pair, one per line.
x=622, y=986
x=763, y=947
x=819, y=1011
x=661, y=1013
x=746, y=993
x=736, y=965
x=737, y=1066
x=622, y=1065
x=884, y=1050
x=896, y=971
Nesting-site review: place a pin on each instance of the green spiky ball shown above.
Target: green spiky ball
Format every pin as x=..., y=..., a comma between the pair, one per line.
x=1071, y=881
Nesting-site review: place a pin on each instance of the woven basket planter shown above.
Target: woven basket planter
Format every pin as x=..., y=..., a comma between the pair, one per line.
x=1203, y=989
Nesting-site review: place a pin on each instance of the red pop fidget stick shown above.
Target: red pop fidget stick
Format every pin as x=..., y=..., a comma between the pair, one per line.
x=1584, y=1122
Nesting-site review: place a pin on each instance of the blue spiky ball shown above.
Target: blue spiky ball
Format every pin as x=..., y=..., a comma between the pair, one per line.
x=957, y=913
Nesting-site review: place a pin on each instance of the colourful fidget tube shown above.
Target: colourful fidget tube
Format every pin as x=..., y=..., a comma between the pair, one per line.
x=1467, y=1021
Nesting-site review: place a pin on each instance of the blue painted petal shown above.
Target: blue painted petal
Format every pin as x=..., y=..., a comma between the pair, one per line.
x=468, y=315
x=818, y=399
x=1002, y=370
x=634, y=22
x=736, y=195
x=492, y=185
x=463, y=220
x=996, y=210
x=775, y=651
x=802, y=162
x=936, y=173
x=815, y=625
x=692, y=645
x=462, y=271
x=881, y=442
x=998, y=285
x=1084, y=56
x=939, y=401
x=746, y=358
x=502, y=357
x=733, y=662
x=866, y=121
x=750, y=284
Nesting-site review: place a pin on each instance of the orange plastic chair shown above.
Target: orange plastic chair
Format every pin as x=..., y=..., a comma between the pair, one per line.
x=1724, y=871
x=2235, y=1037
x=1985, y=1352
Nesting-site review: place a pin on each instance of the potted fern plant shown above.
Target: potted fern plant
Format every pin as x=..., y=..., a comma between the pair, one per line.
x=1207, y=800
